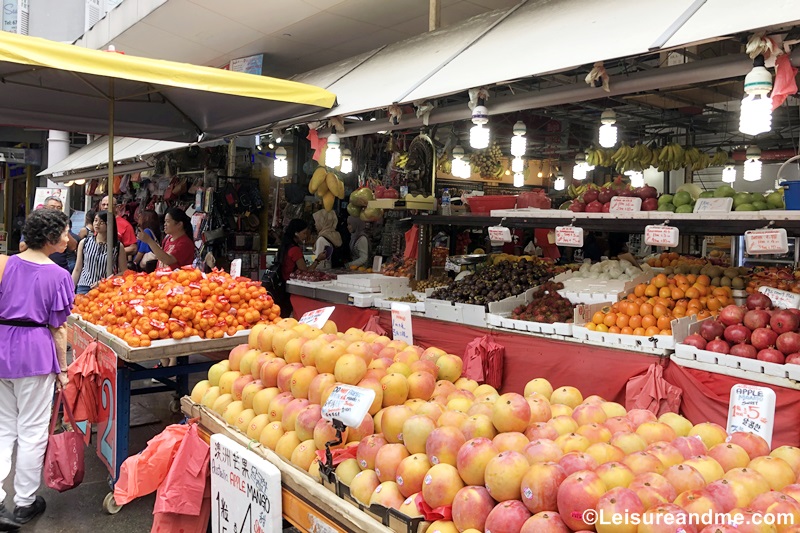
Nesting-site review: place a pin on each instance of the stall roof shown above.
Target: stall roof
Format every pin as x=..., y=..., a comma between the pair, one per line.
x=95, y=155
x=534, y=38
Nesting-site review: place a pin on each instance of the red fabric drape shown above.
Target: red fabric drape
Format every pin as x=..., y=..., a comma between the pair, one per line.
x=706, y=395
x=345, y=316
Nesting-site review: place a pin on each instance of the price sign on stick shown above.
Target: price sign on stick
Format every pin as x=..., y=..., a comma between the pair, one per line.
x=499, y=234
x=245, y=489
x=317, y=317
x=569, y=236
x=625, y=204
x=667, y=236
x=766, y=241
x=401, y=323
x=236, y=268
x=752, y=409
x=348, y=404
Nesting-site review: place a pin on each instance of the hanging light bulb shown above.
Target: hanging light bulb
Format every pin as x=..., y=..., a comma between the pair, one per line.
x=519, y=179
x=517, y=164
x=637, y=178
x=752, y=167
x=559, y=183
x=80, y=182
x=333, y=153
x=281, y=166
x=69, y=183
x=347, y=161
x=608, y=131
x=729, y=174
x=581, y=168
x=478, y=134
x=460, y=168
x=756, y=114
x=519, y=144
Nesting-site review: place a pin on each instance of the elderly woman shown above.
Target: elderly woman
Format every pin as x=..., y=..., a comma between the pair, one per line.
x=36, y=297
x=359, y=242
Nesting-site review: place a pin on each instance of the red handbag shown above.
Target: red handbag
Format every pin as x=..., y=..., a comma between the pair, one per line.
x=63, y=461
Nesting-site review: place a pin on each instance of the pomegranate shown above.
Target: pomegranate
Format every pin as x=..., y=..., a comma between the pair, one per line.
x=649, y=204
x=719, y=346
x=607, y=208
x=695, y=340
x=788, y=343
x=737, y=333
x=605, y=195
x=794, y=311
x=793, y=359
x=757, y=318
x=771, y=355
x=594, y=207
x=711, y=329
x=784, y=321
x=763, y=338
x=731, y=314
x=577, y=207
x=590, y=195
x=758, y=300
x=744, y=350
x=646, y=192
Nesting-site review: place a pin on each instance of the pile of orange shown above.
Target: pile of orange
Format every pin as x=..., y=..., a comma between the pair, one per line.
x=651, y=307
x=673, y=259
x=140, y=308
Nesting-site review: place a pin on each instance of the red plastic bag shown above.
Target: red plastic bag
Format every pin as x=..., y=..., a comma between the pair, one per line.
x=412, y=243
x=652, y=392
x=431, y=514
x=373, y=325
x=483, y=361
x=172, y=522
x=785, y=82
x=63, y=460
x=82, y=393
x=142, y=474
x=182, y=490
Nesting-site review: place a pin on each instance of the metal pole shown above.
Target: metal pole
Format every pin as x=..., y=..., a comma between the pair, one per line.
x=434, y=15
x=111, y=227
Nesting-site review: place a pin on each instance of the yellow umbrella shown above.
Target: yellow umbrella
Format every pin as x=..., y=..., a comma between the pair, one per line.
x=49, y=85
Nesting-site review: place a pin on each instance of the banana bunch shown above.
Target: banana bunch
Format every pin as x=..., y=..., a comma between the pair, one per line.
x=401, y=160
x=671, y=157
x=445, y=164
x=577, y=192
x=326, y=185
x=695, y=159
x=637, y=157
x=720, y=158
x=599, y=157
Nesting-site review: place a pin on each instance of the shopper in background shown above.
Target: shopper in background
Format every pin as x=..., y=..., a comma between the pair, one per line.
x=124, y=229
x=359, y=242
x=65, y=259
x=36, y=297
x=88, y=225
x=91, y=265
x=290, y=254
x=145, y=259
x=328, y=239
x=177, y=249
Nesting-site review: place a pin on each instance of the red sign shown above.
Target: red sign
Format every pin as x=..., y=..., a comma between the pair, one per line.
x=107, y=430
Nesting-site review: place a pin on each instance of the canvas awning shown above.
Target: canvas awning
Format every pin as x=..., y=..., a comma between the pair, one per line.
x=536, y=37
x=89, y=160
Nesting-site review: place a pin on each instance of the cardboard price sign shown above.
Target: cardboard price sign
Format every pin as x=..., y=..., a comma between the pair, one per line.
x=499, y=234
x=348, y=404
x=317, y=317
x=666, y=236
x=569, y=236
x=401, y=323
x=766, y=241
x=245, y=489
x=625, y=204
x=781, y=299
x=713, y=205
x=752, y=409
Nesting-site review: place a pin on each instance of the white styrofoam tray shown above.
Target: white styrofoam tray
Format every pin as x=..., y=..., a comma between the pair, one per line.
x=383, y=303
x=754, y=366
x=315, y=284
x=725, y=366
x=503, y=321
x=630, y=342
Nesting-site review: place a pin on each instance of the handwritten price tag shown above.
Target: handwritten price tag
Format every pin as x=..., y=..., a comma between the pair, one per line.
x=401, y=323
x=713, y=205
x=752, y=409
x=236, y=268
x=499, y=234
x=666, y=236
x=348, y=404
x=781, y=299
x=766, y=241
x=625, y=204
x=569, y=236
x=317, y=317
x=377, y=263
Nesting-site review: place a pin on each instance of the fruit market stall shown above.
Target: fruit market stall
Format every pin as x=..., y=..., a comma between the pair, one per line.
x=438, y=452
x=137, y=319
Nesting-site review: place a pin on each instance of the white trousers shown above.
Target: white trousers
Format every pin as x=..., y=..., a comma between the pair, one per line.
x=25, y=408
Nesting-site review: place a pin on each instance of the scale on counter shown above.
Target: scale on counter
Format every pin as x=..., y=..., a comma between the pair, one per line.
x=346, y=407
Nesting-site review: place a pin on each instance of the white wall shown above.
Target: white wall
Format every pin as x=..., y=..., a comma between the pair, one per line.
x=60, y=20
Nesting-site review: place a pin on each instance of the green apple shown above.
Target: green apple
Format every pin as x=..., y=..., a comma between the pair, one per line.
x=707, y=194
x=724, y=191
x=667, y=207
x=775, y=200
x=760, y=205
x=685, y=208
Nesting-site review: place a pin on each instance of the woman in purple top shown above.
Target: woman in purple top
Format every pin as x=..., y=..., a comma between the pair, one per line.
x=36, y=297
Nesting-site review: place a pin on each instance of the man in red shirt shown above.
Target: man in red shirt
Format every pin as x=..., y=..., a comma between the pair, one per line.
x=124, y=228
